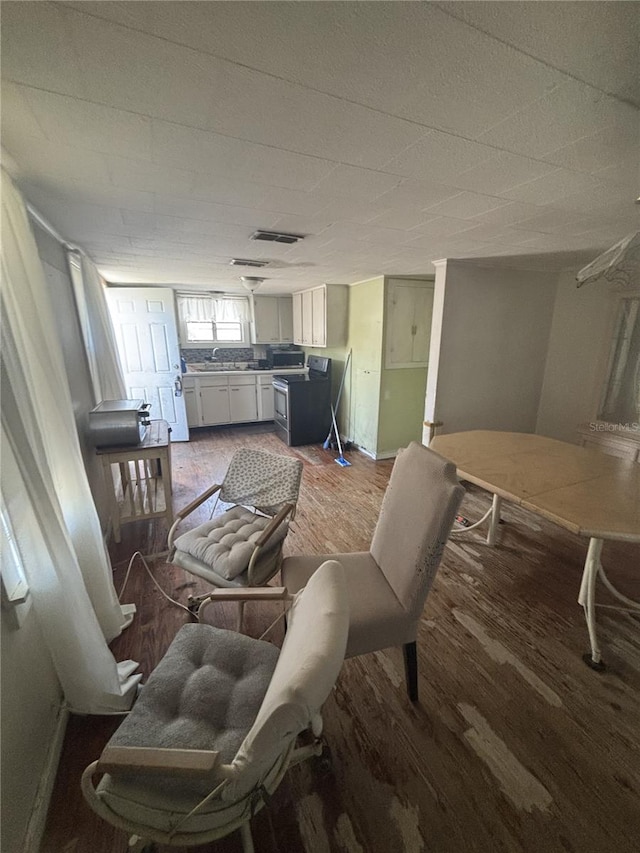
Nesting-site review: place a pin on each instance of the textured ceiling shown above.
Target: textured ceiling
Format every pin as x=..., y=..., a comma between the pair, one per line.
x=159, y=135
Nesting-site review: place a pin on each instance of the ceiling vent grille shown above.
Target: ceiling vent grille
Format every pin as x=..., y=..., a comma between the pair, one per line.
x=276, y=237
x=247, y=262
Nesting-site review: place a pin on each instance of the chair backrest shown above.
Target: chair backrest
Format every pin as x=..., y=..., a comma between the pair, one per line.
x=416, y=517
x=310, y=660
x=263, y=480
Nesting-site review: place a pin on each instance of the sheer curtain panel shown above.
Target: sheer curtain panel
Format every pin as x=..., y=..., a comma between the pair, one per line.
x=205, y=307
x=45, y=487
x=97, y=331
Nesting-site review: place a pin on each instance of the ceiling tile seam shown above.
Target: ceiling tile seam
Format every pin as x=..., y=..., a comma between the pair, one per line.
x=156, y=212
x=208, y=130
x=339, y=98
x=428, y=129
x=246, y=66
x=614, y=95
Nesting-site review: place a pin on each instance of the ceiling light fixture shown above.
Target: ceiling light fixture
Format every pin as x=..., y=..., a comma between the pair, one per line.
x=251, y=282
x=276, y=237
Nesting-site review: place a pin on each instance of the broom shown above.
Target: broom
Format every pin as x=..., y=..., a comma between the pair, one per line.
x=327, y=441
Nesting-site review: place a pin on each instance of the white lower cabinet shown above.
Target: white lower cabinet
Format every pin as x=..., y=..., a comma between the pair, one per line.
x=242, y=399
x=214, y=400
x=265, y=399
x=191, y=401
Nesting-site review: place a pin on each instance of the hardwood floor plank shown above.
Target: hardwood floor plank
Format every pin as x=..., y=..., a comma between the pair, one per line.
x=515, y=744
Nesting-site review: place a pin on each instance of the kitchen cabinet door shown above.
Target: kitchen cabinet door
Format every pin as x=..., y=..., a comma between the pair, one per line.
x=214, y=403
x=266, y=320
x=318, y=317
x=265, y=401
x=243, y=404
x=191, y=399
x=307, y=318
x=297, y=318
x=285, y=310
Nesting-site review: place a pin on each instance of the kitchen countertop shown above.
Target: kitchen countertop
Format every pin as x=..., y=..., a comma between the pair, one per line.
x=191, y=371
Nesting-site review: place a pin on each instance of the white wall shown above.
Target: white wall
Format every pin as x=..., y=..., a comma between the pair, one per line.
x=489, y=336
x=31, y=702
x=32, y=723
x=30, y=707
x=576, y=358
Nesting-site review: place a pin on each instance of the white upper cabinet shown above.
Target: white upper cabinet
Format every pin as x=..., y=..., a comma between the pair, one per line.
x=320, y=316
x=271, y=319
x=408, y=322
x=285, y=310
x=297, y=319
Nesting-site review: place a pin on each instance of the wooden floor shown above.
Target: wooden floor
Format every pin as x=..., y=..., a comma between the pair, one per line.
x=515, y=744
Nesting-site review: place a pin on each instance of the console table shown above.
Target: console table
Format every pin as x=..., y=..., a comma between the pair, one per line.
x=138, y=478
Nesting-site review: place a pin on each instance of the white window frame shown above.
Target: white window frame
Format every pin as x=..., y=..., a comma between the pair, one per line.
x=15, y=588
x=214, y=340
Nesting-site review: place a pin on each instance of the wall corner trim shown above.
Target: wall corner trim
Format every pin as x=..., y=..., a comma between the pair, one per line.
x=38, y=819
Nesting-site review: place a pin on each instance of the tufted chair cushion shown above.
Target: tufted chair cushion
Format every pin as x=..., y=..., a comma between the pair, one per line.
x=204, y=694
x=226, y=543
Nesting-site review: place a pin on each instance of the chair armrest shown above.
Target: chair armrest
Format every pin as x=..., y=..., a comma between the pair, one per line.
x=199, y=500
x=273, y=525
x=135, y=759
x=250, y=593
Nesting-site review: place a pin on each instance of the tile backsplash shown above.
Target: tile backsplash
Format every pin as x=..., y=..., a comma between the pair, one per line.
x=230, y=354
x=233, y=354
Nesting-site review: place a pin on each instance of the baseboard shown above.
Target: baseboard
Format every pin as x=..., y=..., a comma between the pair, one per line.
x=38, y=819
x=365, y=451
x=385, y=454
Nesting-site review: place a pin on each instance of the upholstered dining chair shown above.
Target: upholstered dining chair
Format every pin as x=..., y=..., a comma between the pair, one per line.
x=387, y=586
x=215, y=727
x=242, y=547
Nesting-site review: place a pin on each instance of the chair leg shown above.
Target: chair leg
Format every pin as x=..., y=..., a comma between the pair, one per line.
x=240, y=616
x=410, y=652
x=247, y=840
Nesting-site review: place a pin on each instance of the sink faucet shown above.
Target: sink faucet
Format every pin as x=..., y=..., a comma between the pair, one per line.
x=214, y=353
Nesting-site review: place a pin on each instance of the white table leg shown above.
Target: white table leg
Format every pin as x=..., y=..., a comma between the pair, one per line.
x=631, y=605
x=473, y=526
x=495, y=520
x=587, y=598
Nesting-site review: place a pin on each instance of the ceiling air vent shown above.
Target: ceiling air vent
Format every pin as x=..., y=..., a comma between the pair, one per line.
x=276, y=237
x=247, y=262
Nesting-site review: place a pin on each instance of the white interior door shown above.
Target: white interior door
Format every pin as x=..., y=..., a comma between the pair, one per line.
x=144, y=320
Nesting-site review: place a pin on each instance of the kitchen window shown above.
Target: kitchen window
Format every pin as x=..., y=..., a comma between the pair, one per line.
x=209, y=320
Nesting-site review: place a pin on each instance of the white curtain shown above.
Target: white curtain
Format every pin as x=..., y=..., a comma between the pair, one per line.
x=97, y=331
x=45, y=487
x=207, y=308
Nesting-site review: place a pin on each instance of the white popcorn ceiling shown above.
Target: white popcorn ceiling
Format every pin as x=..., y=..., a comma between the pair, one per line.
x=159, y=135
